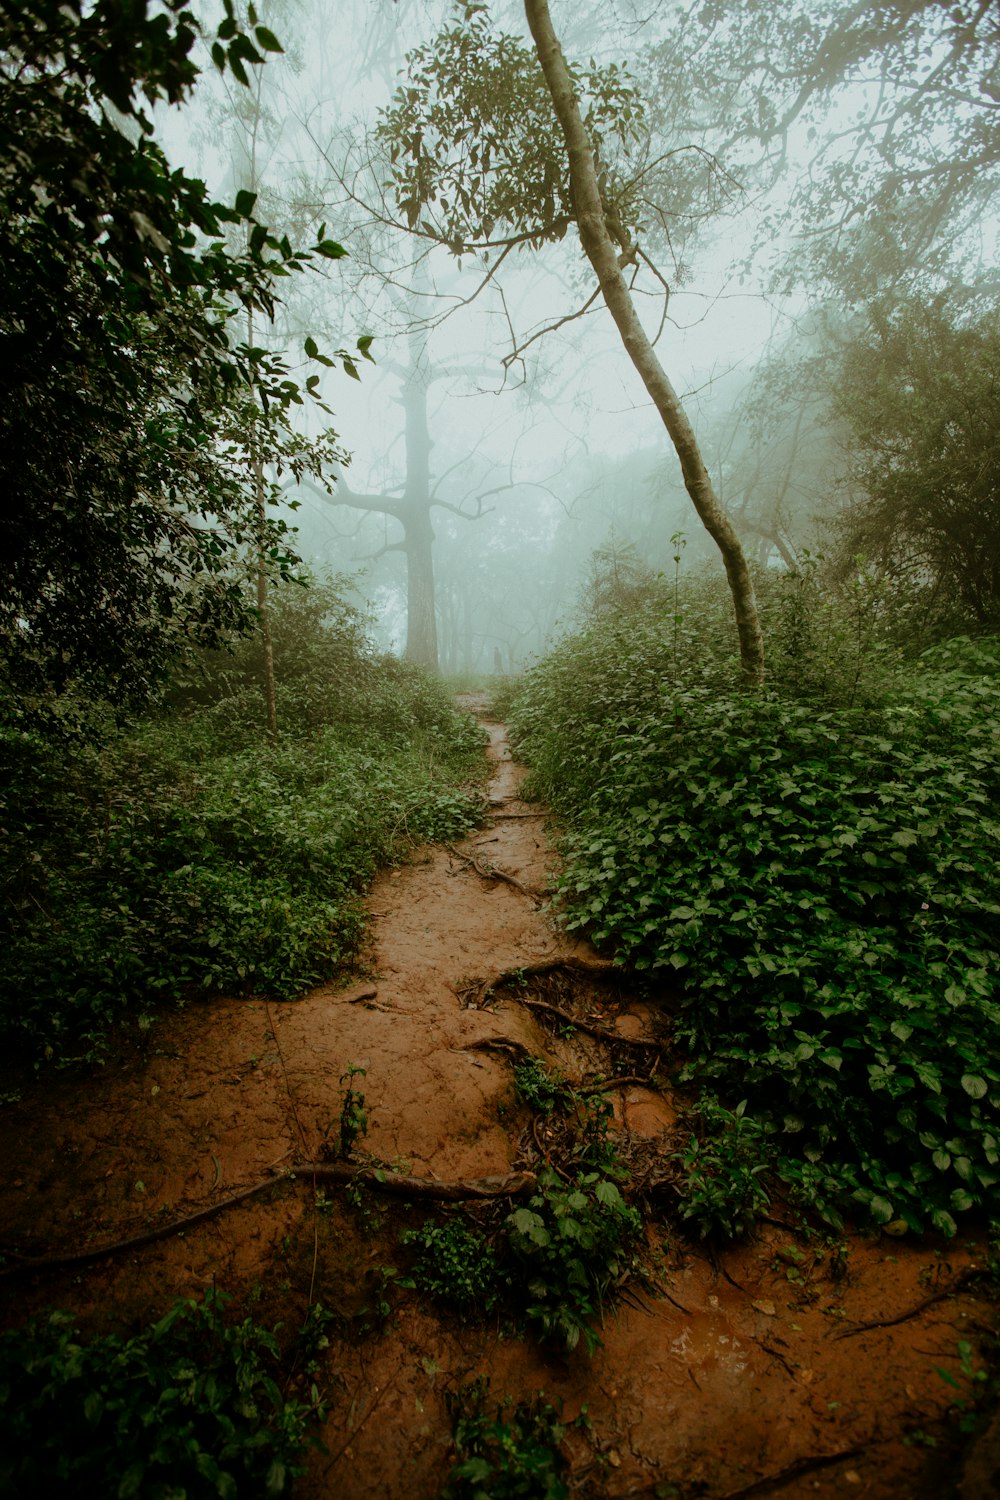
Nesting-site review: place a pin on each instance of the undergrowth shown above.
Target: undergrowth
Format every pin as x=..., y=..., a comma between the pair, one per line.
x=816, y=867
x=554, y=1261
x=509, y=1452
x=187, y=1407
x=188, y=855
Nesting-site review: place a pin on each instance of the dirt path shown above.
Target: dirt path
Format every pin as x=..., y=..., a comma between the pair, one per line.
x=756, y=1375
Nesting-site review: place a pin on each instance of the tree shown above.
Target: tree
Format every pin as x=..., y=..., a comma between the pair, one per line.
x=128, y=398
x=919, y=388
x=495, y=140
x=890, y=112
x=411, y=507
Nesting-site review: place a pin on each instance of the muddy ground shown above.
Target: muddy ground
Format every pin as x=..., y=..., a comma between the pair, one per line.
x=795, y=1364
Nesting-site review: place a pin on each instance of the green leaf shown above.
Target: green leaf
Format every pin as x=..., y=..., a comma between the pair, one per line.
x=267, y=39
x=330, y=249
x=974, y=1086
x=943, y=1221
x=244, y=204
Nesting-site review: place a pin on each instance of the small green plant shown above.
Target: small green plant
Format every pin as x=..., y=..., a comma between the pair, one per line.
x=377, y=1308
x=189, y=1406
x=353, y=1119
x=542, y=1089
x=509, y=1453
x=723, y=1192
x=567, y=1248
x=972, y=1386
x=455, y=1265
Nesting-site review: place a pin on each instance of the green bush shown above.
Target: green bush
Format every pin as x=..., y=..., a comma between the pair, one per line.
x=511, y=1454
x=567, y=1249
x=455, y=1265
x=189, y=855
x=822, y=882
x=188, y=1407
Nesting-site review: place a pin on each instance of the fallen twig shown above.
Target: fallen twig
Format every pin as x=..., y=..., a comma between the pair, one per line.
x=380, y=1179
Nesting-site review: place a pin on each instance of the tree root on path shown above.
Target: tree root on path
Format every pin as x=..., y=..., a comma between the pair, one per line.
x=488, y=871
x=792, y=1471
x=501, y=817
x=379, y=1179
x=963, y=1279
x=597, y=968
x=601, y=1032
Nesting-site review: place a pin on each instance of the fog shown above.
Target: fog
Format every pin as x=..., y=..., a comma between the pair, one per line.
x=514, y=454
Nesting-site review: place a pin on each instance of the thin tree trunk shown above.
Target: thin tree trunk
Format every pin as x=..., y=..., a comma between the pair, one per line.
x=263, y=605
x=415, y=512
x=602, y=252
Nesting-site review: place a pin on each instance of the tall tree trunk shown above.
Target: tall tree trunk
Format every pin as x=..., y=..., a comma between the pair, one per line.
x=263, y=609
x=263, y=603
x=415, y=513
x=602, y=252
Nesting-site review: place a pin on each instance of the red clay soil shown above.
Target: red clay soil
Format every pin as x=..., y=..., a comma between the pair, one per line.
x=792, y=1365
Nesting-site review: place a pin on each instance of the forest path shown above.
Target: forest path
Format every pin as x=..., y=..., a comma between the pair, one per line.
x=753, y=1374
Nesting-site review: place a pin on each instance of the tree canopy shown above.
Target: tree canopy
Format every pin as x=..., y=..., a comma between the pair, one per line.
x=919, y=389
x=893, y=108
x=130, y=405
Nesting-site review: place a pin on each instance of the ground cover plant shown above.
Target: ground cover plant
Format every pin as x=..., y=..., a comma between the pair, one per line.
x=189, y=854
x=188, y=1406
x=555, y=1261
x=509, y=1451
x=816, y=866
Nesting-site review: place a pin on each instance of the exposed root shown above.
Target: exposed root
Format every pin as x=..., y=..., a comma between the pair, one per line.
x=792, y=1471
x=601, y=1032
x=455, y=1190
x=486, y=870
x=604, y=1085
x=506, y=1045
x=971, y=1273
x=379, y=1179
x=501, y=817
x=474, y=994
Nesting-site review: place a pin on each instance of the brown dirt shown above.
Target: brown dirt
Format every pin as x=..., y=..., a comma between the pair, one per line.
x=757, y=1373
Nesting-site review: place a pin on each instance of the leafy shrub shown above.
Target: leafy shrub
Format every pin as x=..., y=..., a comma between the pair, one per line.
x=822, y=882
x=541, y=1088
x=512, y=1454
x=567, y=1249
x=187, y=1407
x=723, y=1192
x=188, y=855
x=455, y=1265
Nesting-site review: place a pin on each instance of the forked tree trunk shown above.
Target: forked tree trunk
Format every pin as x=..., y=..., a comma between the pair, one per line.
x=602, y=252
